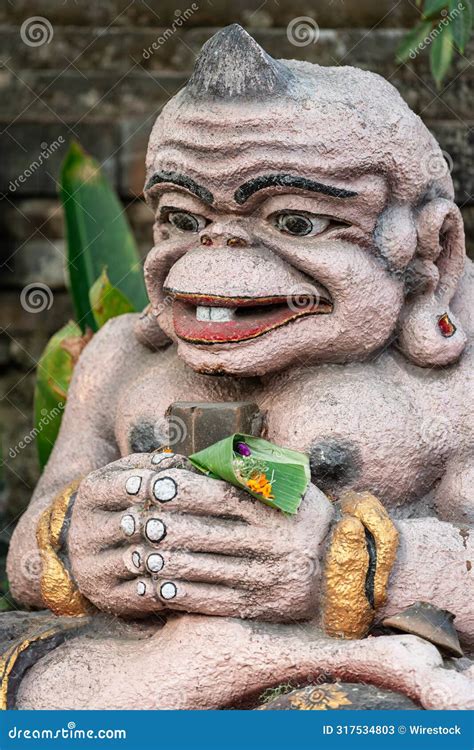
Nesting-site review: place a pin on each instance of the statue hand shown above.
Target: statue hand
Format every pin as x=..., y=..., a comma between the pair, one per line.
x=149, y=536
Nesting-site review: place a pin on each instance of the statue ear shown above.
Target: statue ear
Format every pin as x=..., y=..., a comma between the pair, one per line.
x=428, y=333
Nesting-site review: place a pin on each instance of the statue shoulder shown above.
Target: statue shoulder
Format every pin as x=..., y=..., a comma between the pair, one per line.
x=113, y=353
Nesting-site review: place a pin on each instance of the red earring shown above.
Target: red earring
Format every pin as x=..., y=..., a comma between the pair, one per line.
x=446, y=327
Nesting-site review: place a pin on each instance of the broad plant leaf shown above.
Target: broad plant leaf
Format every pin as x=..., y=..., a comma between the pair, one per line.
x=412, y=40
x=461, y=24
x=432, y=8
x=107, y=301
x=52, y=382
x=98, y=236
x=441, y=54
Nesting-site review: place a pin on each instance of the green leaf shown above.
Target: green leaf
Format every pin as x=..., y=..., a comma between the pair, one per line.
x=52, y=382
x=432, y=8
x=287, y=470
x=410, y=44
x=461, y=22
x=98, y=236
x=107, y=301
x=441, y=54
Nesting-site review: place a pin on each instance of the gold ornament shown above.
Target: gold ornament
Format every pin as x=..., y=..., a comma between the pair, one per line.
x=348, y=612
x=58, y=590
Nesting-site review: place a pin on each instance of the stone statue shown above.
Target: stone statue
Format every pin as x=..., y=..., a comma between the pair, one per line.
x=307, y=258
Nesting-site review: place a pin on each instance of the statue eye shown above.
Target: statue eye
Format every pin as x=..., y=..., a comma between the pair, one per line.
x=301, y=224
x=185, y=221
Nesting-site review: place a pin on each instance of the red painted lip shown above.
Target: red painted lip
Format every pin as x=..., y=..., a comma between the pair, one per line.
x=254, y=316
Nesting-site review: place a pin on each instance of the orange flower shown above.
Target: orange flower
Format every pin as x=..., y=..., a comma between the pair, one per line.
x=261, y=486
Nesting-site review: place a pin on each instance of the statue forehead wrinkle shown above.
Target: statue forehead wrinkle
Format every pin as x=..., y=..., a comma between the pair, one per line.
x=325, y=120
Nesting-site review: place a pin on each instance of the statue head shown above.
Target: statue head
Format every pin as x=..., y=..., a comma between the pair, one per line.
x=304, y=214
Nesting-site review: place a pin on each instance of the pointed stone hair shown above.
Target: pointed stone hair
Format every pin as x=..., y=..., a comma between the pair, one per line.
x=232, y=64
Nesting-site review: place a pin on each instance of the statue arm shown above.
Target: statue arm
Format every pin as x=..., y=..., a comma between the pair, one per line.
x=86, y=442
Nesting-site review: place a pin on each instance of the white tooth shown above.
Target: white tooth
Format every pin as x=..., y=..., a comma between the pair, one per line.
x=203, y=313
x=222, y=314
x=216, y=314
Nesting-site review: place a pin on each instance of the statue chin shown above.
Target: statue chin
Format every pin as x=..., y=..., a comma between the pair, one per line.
x=303, y=249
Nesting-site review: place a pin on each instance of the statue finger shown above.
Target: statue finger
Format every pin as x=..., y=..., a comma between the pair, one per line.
x=182, y=531
x=205, y=598
x=205, y=567
x=195, y=493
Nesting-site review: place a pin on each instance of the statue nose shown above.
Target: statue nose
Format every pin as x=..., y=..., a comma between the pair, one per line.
x=221, y=236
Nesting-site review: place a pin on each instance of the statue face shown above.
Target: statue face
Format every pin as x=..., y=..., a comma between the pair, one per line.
x=286, y=199
x=266, y=276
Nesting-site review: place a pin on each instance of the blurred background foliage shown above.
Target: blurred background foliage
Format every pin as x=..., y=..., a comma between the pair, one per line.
x=444, y=29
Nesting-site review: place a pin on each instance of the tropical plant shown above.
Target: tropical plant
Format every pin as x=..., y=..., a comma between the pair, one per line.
x=444, y=26
x=105, y=280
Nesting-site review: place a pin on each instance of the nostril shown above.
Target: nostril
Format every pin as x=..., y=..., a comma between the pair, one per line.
x=236, y=242
x=205, y=240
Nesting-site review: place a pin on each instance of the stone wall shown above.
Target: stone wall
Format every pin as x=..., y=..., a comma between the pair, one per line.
x=94, y=79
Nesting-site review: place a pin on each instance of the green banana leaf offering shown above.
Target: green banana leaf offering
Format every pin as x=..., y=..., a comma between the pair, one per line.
x=277, y=476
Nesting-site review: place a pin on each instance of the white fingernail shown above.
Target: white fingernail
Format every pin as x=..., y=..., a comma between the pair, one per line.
x=159, y=457
x=133, y=484
x=136, y=559
x=168, y=591
x=154, y=562
x=165, y=489
x=141, y=588
x=155, y=529
x=127, y=524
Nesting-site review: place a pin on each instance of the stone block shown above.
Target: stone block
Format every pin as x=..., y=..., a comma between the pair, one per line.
x=17, y=319
x=38, y=260
x=141, y=218
x=141, y=15
x=98, y=97
x=457, y=141
x=32, y=154
x=20, y=219
x=194, y=426
x=134, y=135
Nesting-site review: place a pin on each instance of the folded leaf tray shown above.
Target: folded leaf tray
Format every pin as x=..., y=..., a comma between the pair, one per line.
x=277, y=476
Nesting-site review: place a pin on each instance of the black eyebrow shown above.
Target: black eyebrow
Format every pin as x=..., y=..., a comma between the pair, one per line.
x=244, y=192
x=181, y=180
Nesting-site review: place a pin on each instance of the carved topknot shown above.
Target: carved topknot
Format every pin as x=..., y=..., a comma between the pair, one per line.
x=232, y=64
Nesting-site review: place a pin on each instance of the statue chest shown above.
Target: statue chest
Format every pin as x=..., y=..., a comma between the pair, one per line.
x=360, y=430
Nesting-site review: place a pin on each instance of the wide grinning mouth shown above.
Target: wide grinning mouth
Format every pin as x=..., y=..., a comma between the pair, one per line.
x=214, y=319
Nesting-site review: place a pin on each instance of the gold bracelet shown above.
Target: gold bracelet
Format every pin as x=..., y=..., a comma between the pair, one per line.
x=59, y=592
x=361, y=555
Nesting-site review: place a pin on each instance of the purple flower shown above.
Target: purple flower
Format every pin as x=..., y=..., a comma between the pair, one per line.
x=243, y=449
